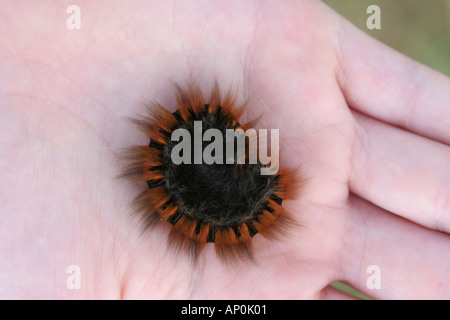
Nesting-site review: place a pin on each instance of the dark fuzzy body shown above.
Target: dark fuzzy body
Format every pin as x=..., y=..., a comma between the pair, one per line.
x=226, y=204
x=221, y=195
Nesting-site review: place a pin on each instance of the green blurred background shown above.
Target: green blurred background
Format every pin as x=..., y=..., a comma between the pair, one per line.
x=419, y=29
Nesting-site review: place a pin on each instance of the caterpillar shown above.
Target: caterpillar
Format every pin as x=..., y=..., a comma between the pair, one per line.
x=221, y=202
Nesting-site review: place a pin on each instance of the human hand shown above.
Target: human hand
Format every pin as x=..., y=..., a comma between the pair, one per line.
x=368, y=127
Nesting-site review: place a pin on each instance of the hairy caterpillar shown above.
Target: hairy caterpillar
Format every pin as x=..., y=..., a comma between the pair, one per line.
x=221, y=203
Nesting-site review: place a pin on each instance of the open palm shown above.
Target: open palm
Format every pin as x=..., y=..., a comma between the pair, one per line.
x=367, y=126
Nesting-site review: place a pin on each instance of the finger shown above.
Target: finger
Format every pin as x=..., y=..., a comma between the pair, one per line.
x=401, y=172
x=384, y=84
x=410, y=262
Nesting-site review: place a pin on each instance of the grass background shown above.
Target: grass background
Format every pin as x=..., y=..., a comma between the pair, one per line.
x=419, y=29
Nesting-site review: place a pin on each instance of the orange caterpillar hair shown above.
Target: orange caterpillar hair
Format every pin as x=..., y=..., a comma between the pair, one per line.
x=224, y=204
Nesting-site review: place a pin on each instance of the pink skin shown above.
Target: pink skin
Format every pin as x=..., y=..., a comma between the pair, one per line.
x=376, y=195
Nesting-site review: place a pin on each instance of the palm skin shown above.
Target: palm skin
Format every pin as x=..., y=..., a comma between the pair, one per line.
x=64, y=109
